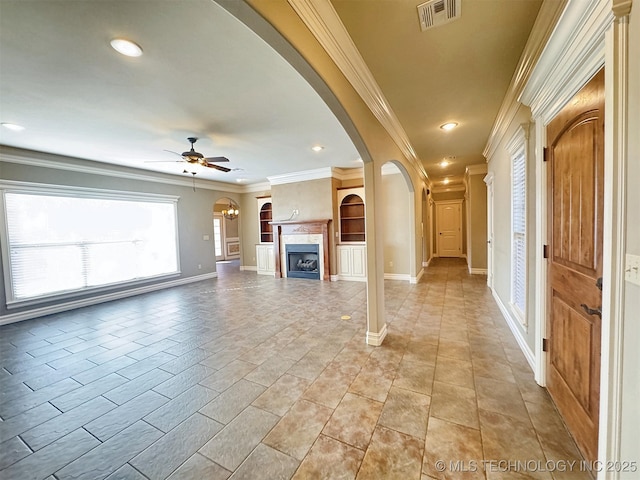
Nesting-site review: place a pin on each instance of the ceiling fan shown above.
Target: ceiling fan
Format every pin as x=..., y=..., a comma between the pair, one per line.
x=193, y=157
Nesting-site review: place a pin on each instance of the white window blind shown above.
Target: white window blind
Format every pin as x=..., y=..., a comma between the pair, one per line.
x=518, y=227
x=59, y=244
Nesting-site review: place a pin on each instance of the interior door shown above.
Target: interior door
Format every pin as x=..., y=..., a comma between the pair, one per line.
x=449, y=220
x=575, y=181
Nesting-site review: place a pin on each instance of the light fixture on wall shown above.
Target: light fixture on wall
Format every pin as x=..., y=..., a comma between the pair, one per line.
x=230, y=213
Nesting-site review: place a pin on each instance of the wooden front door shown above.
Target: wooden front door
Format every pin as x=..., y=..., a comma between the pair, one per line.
x=575, y=143
x=449, y=221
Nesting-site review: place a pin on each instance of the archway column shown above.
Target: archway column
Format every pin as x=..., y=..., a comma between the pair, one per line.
x=376, y=323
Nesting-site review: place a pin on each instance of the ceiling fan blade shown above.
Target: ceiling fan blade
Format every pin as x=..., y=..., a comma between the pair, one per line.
x=216, y=159
x=163, y=161
x=176, y=153
x=218, y=167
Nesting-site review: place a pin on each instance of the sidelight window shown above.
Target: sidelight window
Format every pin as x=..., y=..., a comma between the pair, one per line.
x=518, y=154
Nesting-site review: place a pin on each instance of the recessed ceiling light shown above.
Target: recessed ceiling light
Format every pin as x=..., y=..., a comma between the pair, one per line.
x=444, y=163
x=446, y=180
x=449, y=126
x=13, y=127
x=126, y=47
x=317, y=148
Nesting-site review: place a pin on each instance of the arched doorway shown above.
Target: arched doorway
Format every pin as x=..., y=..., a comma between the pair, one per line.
x=226, y=231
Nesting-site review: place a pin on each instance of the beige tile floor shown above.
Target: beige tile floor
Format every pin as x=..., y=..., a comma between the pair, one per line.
x=247, y=376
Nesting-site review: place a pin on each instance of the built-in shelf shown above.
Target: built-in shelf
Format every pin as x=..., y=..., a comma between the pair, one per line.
x=352, y=215
x=266, y=229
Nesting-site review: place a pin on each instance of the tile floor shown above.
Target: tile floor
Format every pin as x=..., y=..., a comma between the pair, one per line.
x=245, y=376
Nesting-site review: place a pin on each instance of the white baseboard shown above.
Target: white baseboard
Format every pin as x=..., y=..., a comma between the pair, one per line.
x=376, y=339
x=397, y=276
x=478, y=271
x=85, y=302
x=517, y=333
x=248, y=268
x=334, y=278
x=417, y=278
x=349, y=279
x=426, y=264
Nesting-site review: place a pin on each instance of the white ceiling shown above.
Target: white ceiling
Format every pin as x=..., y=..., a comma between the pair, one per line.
x=205, y=74
x=202, y=74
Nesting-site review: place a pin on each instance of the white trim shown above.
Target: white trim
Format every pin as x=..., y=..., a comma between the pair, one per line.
x=477, y=169
x=542, y=28
x=405, y=277
x=477, y=271
x=75, y=191
x=454, y=188
x=376, y=339
x=316, y=174
x=574, y=54
x=62, y=307
x=60, y=163
x=514, y=326
x=416, y=279
x=616, y=133
x=347, y=278
x=324, y=23
x=540, y=301
x=248, y=268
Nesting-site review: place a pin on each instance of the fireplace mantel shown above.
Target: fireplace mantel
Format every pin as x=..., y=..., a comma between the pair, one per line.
x=301, y=227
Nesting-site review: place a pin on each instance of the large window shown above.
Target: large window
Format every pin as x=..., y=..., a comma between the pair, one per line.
x=60, y=241
x=517, y=150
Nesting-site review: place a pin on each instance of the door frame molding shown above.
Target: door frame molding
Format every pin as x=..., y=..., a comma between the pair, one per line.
x=590, y=35
x=488, y=180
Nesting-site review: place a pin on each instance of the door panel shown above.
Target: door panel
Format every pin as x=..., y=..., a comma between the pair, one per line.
x=575, y=182
x=449, y=230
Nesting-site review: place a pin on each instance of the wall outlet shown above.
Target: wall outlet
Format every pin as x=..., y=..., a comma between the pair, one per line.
x=632, y=269
x=199, y=267
x=391, y=264
x=205, y=237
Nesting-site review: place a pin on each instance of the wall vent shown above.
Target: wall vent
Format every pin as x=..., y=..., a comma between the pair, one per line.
x=438, y=12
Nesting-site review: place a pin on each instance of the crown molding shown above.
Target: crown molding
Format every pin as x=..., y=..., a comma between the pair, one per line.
x=317, y=174
x=78, y=165
x=574, y=53
x=477, y=169
x=455, y=188
x=546, y=20
x=324, y=23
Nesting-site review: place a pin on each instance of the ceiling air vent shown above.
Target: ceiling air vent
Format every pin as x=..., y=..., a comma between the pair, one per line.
x=437, y=12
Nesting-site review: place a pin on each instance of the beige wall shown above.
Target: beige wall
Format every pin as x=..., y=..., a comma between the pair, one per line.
x=500, y=165
x=477, y=222
x=249, y=220
x=395, y=203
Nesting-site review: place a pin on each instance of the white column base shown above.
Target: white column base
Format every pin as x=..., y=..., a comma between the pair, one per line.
x=376, y=339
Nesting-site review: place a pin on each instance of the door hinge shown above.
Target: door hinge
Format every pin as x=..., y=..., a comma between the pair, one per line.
x=545, y=345
x=545, y=154
x=545, y=251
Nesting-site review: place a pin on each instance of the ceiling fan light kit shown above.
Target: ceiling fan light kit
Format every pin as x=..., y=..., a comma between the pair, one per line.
x=196, y=158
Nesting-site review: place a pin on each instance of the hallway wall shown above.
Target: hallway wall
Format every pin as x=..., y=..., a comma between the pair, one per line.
x=500, y=165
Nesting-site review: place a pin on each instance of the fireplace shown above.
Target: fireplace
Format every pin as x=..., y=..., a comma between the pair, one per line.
x=303, y=260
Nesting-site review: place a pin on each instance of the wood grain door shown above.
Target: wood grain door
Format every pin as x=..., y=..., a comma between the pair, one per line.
x=449, y=220
x=575, y=181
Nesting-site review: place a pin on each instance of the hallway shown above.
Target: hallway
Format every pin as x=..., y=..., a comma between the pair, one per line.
x=246, y=376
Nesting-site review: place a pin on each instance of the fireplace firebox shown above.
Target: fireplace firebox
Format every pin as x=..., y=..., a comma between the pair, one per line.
x=302, y=260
